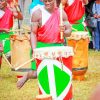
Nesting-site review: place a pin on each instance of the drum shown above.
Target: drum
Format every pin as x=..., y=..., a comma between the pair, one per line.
x=79, y=41
x=20, y=52
x=54, y=71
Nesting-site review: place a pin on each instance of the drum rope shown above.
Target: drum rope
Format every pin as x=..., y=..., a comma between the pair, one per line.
x=60, y=59
x=24, y=63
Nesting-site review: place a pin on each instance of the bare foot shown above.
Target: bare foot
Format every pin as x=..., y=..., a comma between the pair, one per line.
x=21, y=82
x=29, y=75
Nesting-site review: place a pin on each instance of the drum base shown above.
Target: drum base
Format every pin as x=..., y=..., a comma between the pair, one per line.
x=79, y=78
x=79, y=74
x=43, y=97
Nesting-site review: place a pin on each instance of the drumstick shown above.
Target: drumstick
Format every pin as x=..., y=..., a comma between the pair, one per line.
x=26, y=27
x=24, y=64
x=17, y=7
x=7, y=61
x=16, y=30
x=74, y=29
x=61, y=20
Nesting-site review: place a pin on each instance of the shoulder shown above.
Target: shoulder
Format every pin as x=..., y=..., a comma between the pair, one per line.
x=36, y=15
x=36, y=8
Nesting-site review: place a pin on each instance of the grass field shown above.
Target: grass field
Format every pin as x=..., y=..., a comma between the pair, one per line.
x=81, y=89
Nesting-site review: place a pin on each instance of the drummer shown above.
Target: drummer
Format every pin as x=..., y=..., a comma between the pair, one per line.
x=75, y=9
x=6, y=22
x=45, y=31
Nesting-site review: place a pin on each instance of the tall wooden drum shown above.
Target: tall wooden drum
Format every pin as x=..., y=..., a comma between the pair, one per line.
x=20, y=51
x=79, y=41
x=54, y=71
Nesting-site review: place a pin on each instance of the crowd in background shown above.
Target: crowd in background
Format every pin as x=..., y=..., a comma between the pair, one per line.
x=93, y=10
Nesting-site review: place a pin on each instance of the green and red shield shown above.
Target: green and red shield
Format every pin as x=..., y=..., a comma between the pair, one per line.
x=55, y=78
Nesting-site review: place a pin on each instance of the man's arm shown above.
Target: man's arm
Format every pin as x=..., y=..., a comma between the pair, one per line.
x=34, y=27
x=33, y=38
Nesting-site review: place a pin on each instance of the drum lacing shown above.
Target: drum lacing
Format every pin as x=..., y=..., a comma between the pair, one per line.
x=60, y=59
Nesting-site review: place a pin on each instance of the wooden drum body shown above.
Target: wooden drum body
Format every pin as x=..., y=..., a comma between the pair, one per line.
x=79, y=41
x=54, y=70
x=20, y=51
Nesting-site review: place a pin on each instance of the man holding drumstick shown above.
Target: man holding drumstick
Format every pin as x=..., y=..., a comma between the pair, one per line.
x=46, y=29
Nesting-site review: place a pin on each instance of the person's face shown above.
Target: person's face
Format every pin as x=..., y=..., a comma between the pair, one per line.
x=2, y=4
x=49, y=4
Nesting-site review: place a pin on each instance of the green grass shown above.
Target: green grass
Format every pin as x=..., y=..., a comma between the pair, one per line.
x=8, y=89
x=81, y=89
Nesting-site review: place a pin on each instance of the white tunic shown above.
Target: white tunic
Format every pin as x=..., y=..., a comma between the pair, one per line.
x=45, y=14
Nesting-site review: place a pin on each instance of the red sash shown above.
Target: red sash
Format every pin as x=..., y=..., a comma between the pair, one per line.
x=75, y=11
x=49, y=33
x=7, y=20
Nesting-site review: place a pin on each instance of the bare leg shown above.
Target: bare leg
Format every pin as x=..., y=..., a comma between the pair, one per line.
x=23, y=80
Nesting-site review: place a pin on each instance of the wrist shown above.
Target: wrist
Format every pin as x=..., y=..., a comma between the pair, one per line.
x=67, y=32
